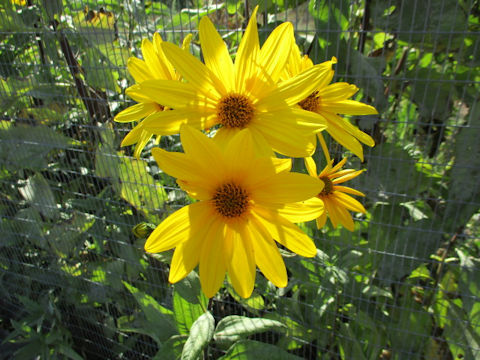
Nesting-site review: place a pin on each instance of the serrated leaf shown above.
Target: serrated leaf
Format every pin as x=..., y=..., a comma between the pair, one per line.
x=233, y=328
x=200, y=335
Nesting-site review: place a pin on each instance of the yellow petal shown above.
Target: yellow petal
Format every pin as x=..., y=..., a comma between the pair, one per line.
x=349, y=107
x=342, y=136
x=133, y=136
x=353, y=130
x=212, y=260
x=187, y=254
x=276, y=51
x=302, y=211
x=136, y=94
x=311, y=166
x=141, y=143
x=138, y=69
x=285, y=233
x=281, y=165
x=195, y=143
x=224, y=135
x=169, y=122
x=136, y=112
x=349, y=203
x=337, y=91
x=186, y=42
x=321, y=220
x=194, y=71
x=167, y=68
x=267, y=256
x=284, y=135
x=175, y=94
x=239, y=154
x=247, y=53
x=215, y=54
x=185, y=258
x=287, y=188
x=262, y=147
x=241, y=267
x=331, y=211
x=342, y=215
x=152, y=60
x=178, y=165
x=347, y=190
x=175, y=229
x=304, y=84
x=347, y=177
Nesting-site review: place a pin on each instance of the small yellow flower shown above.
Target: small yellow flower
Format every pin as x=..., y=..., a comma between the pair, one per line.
x=334, y=196
x=330, y=100
x=245, y=204
x=154, y=66
x=240, y=94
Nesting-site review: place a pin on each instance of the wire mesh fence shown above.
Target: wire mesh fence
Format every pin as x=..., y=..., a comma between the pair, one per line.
x=76, y=207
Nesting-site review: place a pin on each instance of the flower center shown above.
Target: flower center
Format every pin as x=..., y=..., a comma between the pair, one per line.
x=328, y=188
x=230, y=200
x=311, y=103
x=235, y=111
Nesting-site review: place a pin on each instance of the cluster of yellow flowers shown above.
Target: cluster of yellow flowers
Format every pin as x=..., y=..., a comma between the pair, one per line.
x=271, y=99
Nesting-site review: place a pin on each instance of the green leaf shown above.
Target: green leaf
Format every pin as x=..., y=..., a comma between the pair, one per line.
x=200, y=335
x=432, y=93
x=28, y=146
x=461, y=331
x=140, y=189
x=423, y=23
x=464, y=188
x=64, y=237
x=391, y=183
x=350, y=346
x=233, y=328
x=160, y=317
x=171, y=349
x=189, y=302
x=255, y=350
x=68, y=351
x=37, y=192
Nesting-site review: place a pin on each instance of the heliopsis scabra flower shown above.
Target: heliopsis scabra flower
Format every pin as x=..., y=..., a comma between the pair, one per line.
x=154, y=66
x=240, y=95
x=330, y=100
x=334, y=196
x=245, y=203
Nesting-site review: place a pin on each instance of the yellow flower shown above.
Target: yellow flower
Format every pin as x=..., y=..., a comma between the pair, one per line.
x=334, y=196
x=330, y=100
x=240, y=95
x=154, y=66
x=245, y=203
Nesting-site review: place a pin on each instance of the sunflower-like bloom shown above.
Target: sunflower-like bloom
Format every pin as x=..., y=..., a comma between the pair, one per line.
x=334, y=196
x=154, y=66
x=330, y=100
x=245, y=203
x=240, y=95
